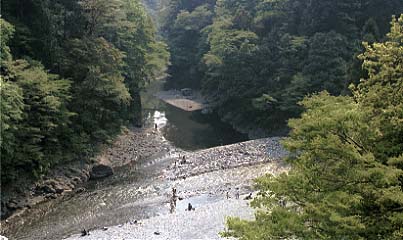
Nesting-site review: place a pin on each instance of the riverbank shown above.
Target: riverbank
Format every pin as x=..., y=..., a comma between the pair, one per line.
x=68, y=179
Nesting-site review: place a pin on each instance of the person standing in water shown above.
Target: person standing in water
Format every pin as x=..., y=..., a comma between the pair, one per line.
x=237, y=193
x=190, y=207
x=172, y=206
x=174, y=193
x=173, y=200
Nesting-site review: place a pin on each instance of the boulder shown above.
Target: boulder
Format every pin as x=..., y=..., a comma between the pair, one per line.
x=50, y=196
x=47, y=189
x=84, y=176
x=76, y=180
x=13, y=205
x=100, y=171
x=52, y=187
x=80, y=190
x=60, y=188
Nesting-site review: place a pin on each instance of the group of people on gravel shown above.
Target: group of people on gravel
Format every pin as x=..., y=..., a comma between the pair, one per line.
x=182, y=160
x=237, y=195
x=174, y=198
x=190, y=207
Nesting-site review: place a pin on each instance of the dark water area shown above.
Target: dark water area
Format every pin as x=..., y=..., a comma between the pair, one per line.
x=187, y=130
x=192, y=130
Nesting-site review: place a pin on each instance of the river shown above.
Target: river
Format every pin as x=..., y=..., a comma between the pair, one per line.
x=187, y=130
x=136, y=192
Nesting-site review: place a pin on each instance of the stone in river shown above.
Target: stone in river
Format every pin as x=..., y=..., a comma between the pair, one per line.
x=80, y=190
x=100, y=171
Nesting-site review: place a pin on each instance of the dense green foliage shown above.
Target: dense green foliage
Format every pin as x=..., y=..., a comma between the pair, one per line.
x=71, y=72
x=346, y=177
x=254, y=60
x=183, y=26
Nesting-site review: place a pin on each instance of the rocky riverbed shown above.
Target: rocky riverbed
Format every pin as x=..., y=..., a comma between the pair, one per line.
x=146, y=168
x=131, y=146
x=226, y=157
x=135, y=144
x=211, y=181
x=213, y=196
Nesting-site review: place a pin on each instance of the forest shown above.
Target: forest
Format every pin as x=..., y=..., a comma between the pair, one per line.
x=346, y=158
x=255, y=60
x=326, y=75
x=71, y=74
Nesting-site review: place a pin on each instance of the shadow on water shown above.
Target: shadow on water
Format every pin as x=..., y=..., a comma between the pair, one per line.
x=187, y=130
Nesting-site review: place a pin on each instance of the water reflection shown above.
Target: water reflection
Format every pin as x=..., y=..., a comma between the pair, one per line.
x=187, y=130
x=158, y=118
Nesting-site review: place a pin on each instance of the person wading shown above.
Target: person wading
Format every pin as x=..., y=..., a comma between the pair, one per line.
x=183, y=160
x=237, y=193
x=173, y=200
x=190, y=207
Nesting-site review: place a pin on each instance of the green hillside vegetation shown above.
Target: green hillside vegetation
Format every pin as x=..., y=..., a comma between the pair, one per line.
x=346, y=161
x=71, y=72
x=255, y=60
x=327, y=74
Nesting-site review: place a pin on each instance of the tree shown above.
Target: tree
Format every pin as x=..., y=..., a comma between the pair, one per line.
x=12, y=106
x=326, y=63
x=185, y=41
x=34, y=113
x=99, y=92
x=35, y=119
x=7, y=31
x=346, y=160
x=381, y=91
x=157, y=60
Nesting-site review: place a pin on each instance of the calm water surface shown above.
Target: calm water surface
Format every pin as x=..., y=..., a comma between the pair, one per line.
x=187, y=130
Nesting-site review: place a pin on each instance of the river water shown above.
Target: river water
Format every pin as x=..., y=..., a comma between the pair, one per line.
x=187, y=130
x=137, y=192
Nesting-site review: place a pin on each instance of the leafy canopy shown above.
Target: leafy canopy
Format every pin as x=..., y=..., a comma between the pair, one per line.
x=346, y=158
